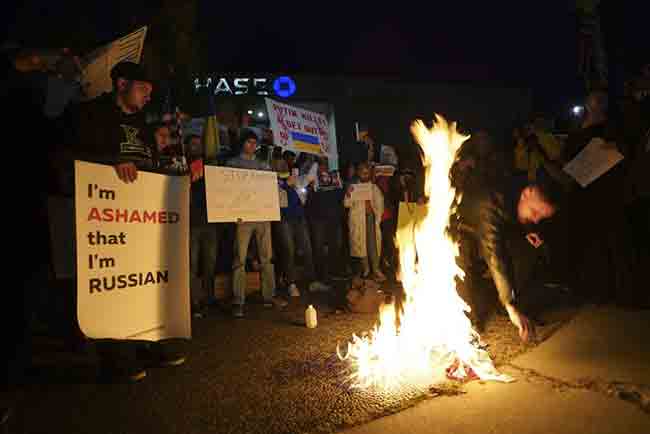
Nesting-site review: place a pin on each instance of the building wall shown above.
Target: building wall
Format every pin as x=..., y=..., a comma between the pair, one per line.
x=388, y=107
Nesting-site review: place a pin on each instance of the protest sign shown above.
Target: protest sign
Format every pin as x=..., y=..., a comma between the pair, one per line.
x=96, y=74
x=388, y=155
x=235, y=195
x=593, y=161
x=132, y=254
x=328, y=181
x=361, y=192
x=299, y=129
x=384, y=170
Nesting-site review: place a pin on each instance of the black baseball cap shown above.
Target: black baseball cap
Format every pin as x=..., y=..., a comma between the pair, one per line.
x=129, y=71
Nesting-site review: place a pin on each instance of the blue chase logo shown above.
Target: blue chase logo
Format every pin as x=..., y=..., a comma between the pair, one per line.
x=284, y=86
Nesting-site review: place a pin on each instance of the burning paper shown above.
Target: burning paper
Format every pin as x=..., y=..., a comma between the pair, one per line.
x=430, y=338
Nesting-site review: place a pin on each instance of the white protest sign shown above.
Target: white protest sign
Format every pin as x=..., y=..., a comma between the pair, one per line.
x=384, y=170
x=593, y=161
x=388, y=155
x=132, y=254
x=241, y=195
x=299, y=129
x=361, y=192
x=96, y=76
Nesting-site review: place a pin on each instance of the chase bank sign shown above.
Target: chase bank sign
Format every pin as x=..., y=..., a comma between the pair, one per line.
x=281, y=86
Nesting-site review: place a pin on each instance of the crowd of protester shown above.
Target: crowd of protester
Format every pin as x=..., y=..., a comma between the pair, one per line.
x=593, y=245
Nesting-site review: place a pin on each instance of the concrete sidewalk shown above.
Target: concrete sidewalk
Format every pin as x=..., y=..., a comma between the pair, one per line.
x=570, y=384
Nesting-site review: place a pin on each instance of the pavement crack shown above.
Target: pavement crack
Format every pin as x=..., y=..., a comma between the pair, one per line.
x=636, y=394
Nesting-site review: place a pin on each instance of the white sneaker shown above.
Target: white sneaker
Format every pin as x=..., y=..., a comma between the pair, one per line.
x=293, y=290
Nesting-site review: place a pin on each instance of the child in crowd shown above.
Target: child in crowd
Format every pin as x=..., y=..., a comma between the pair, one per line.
x=364, y=225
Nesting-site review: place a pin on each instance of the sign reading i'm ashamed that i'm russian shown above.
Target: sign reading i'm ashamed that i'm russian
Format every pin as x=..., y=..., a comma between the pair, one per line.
x=132, y=254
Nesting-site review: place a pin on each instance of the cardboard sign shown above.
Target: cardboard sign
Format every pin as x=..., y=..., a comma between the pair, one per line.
x=388, y=155
x=327, y=181
x=384, y=170
x=96, y=76
x=360, y=192
x=593, y=161
x=298, y=129
x=241, y=195
x=132, y=254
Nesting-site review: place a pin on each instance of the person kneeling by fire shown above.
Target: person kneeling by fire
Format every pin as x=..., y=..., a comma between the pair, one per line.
x=494, y=224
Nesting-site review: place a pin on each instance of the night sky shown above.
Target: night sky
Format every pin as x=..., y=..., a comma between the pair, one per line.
x=493, y=43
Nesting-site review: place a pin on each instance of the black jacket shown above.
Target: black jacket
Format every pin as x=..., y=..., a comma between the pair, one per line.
x=99, y=131
x=325, y=204
x=491, y=216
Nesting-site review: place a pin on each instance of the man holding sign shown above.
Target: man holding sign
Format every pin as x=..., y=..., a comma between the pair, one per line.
x=245, y=230
x=111, y=130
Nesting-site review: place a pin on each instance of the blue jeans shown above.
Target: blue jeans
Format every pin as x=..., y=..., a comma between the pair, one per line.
x=294, y=235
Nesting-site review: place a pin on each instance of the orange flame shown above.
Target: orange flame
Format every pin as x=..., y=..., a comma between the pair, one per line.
x=434, y=332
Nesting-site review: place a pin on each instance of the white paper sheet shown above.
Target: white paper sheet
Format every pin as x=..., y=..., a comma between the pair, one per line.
x=593, y=161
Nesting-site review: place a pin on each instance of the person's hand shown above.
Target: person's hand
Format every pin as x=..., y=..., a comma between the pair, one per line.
x=348, y=193
x=127, y=172
x=421, y=200
x=196, y=170
x=369, y=207
x=534, y=239
x=291, y=181
x=523, y=324
x=195, y=175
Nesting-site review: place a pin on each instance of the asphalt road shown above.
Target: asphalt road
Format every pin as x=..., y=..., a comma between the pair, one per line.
x=266, y=373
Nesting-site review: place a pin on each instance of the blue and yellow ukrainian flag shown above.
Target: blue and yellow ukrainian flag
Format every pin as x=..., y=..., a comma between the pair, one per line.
x=306, y=143
x=211, y=132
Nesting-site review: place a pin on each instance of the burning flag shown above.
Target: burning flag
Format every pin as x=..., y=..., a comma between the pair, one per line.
x=430, y=338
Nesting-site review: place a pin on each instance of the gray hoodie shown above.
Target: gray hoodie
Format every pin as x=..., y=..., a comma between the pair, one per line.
x=243, y=162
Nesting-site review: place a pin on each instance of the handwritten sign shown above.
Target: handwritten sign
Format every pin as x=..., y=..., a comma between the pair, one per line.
x=299, y=129
x=388, y=156
x=241, y=195
x=96, y=76
x=384, y=170
x=361, y=192
x=132, y=254
x=593, y=161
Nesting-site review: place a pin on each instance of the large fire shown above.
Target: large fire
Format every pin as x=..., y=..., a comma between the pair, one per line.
x=432, y=332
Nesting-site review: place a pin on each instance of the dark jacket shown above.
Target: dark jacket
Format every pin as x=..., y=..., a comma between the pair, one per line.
x=491, y=216
x=99, y=131
x=294, y=209
x=326, y=204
